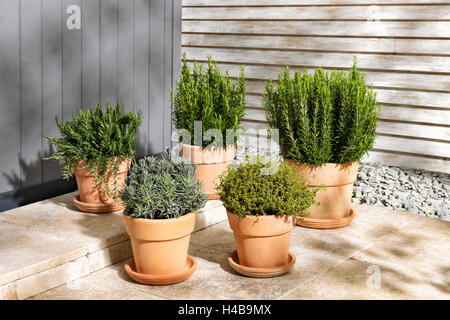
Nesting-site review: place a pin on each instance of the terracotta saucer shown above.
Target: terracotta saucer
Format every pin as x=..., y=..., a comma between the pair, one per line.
x=161, y=280
x=96, y=207
x=233, y=260
x=327, y=223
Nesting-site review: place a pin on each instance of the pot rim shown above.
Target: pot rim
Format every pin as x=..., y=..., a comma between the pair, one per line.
x=155, y=221
x=80, y=171
x=328, y=164
x=328, y=174
x=160, y=230
x=282, y=224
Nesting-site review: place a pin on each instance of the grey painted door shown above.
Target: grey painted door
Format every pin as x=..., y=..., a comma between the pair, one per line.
x=122, y=49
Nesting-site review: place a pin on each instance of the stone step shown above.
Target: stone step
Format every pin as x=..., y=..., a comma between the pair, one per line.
x=49, y=243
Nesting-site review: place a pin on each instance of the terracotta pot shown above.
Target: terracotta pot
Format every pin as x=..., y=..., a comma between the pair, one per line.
x=262, y=241
x=211, y=162
x=335, y=200
x=160, y=246
x=93, y=195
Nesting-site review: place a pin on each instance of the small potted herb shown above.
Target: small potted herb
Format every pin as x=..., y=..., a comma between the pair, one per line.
x=263, y=199
x=211, y=100
x=326, y=124
x=97, y=146
x=161, y=198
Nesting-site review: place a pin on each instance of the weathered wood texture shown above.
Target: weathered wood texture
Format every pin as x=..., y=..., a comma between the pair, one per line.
x=403, y=46
x=127, y=50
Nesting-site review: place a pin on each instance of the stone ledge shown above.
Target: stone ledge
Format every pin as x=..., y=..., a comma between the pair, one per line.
x=50, y=243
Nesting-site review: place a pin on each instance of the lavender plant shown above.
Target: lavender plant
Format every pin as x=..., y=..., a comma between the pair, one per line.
x=161, y=189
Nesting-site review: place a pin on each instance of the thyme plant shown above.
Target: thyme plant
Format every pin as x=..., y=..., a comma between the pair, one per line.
x=210, y=97
x=322, y=117
x=102, y=138
x=245, y=190
x=161, y=189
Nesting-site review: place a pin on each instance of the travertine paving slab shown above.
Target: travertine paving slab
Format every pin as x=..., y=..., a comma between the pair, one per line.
x=51, y=278
x=59, y=218
x=46, y=244
x=383, y=254
x=212, y=213
x=421, y=248
x=24, y=252
x=102, y=285
x=355, y=279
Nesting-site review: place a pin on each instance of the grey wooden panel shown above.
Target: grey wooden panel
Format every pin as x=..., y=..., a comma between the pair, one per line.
x=48, y=70
x=125, y=57
x=176, y=51
x=71, y=42
x=90, y=31
x=9, y=94
x=141, y=71
x=31, y=93
x=168, y=73
x=52, y=24
x=156, y=91
x=108, y=51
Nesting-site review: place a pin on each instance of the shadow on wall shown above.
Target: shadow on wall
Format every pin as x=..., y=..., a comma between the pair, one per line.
x=22, y=184
x=23, y=192
x=28, y=178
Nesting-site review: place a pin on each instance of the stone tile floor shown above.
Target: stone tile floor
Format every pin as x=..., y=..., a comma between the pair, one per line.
x=383, y=254
x=50, y=243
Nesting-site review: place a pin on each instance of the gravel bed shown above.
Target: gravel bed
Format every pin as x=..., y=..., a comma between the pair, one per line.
x=418, y=191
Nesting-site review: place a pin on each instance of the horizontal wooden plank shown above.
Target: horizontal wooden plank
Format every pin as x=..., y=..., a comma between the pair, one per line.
x=414, y=130
x=304, y=2
x=441, y=117
x=335, y=44
x=415, y=98
x=256, y=76
x=415, y=29
x=393, y=157
x=397, y=144
x=325, y=60
x=391, y=12
x=392, y=127
x=398, y=97
x=399, y=114
x=431, y=116
x=430, y=148
x=410, y=161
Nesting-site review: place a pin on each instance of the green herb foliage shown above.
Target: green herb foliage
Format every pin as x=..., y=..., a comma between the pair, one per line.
x=244, y=190
x=102, y=138
x=322, y=117
x=210, y=97
x=161, y=189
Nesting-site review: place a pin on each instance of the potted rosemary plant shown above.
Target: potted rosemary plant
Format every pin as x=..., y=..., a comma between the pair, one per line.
x=161, y=198
x=326, y=123
x=97, y=146
x=208, y=108
x=263, y=198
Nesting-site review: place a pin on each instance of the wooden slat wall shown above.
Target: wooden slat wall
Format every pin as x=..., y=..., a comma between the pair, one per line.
x=402, y=45
x=126, y=49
